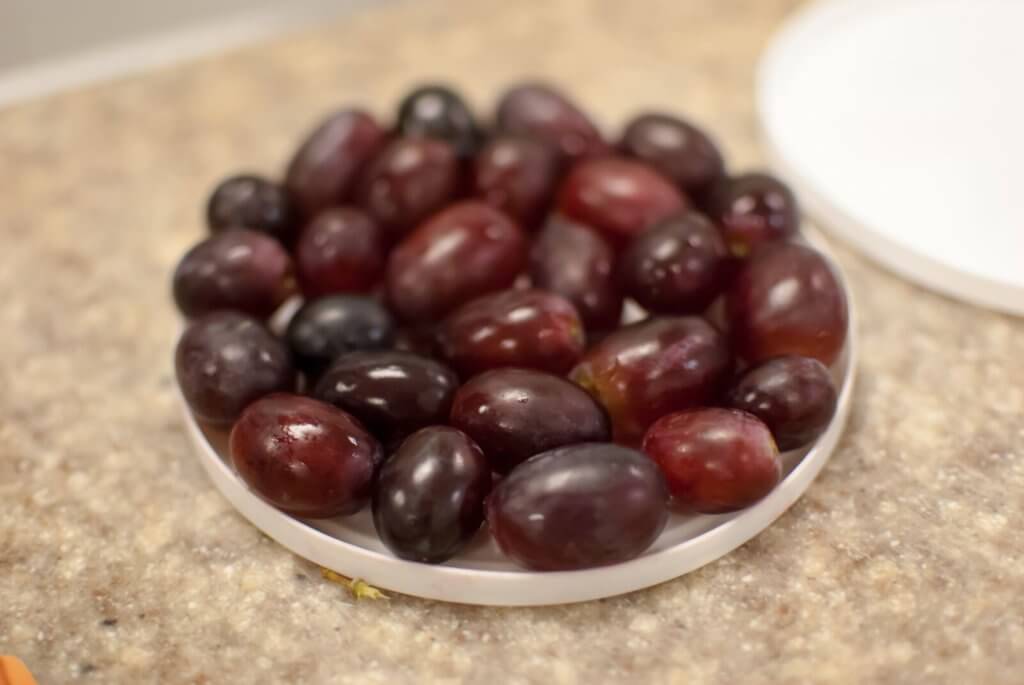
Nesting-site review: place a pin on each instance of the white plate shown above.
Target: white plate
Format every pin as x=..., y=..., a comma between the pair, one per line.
x=482, y=575
x=899, y=123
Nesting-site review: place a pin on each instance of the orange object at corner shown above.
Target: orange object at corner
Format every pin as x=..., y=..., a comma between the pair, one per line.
x=13, y=672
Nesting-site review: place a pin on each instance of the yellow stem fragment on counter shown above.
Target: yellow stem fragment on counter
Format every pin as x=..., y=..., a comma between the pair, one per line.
x=360, y=589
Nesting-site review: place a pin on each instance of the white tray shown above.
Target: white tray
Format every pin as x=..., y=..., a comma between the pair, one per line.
x=482, y=575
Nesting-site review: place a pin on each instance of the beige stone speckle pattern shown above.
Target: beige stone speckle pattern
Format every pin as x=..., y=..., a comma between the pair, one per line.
x=119, y=563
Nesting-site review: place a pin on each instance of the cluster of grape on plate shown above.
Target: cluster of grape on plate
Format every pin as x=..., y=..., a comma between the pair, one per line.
x=522, y=324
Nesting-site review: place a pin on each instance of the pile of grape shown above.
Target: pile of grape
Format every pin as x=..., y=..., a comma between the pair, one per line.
x=460, y=354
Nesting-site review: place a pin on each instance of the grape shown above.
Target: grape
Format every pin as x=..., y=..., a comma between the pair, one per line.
x=753, y=209
x=341, y=250
x=253, y=202
x=578, y=507
x=794, y=396
x=420, y=340
x=539, y=111
x=305, y=457
x=715, y=460
x=324, y=169
x=327, y=327
x=644, y=371
x=785, y=300
x=575, y=262
x=618, y=196
x=434, y=111
x=410, y=179
x=429, y=501
x=677, y=267
x=224, y=361
x=676, y=148
x=525, y=328
x=465, y=251
x=238, y=269
x=393, y=393
x=514, y=414
x=518, y=176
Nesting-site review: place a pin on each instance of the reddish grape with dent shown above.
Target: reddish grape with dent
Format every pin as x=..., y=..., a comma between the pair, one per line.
x=323, y=171
x=786, y=300
x=461, y=253
x=540, y=111
x=304, y=456
x=577, y=263
x=649, y=369
x=519, y=176
x=714, y=460
x=753, y=209
x=530, y=329
x=516, y=413
x=676, y=148
x=341, y=251
x=619, y=197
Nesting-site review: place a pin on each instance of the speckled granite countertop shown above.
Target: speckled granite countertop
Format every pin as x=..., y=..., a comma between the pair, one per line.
x=119, y=563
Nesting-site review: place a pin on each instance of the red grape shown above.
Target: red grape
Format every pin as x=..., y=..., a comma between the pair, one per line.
x=753, y=209
x=429, y=500
x=786, y=300
x=715, y=460
x=644, y=371
x=224, y=361
x=514, y=414
x=578, y=507
x=794, y=396
x=324, y=169
x=341, y=250
x=541, y=112
x=677, y=267
x=393, y=393
x=618, y=196
x=239, y=269
x=518, y=176
x=410, y=179
x=676, y=148
x=525, y=328
x=305, y=457
x=575, y=262
x=465, y=251
x=434, y=111
x=253, y=202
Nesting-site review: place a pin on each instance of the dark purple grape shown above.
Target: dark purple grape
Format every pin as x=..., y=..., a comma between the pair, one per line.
x=519, y=176
x=342, y=250
x=714, y=460
x=253, y=202
x=226, y=360
x=753, y=209
x=393, y=393
x=429, y=500
x=409, y=180
x=794, y=396
x=324, y=169
x=435, y=111
x=541, y=112
x=305, y=457
x=530, y=329
x=786, y=300
x=514, y=414
x=239, y=269
x=578, y=507
x=644, y=371
x=676, y=148
x=468, y=250
x=327, y=327
x=575, y=262
x=618, y=196
x=677, y=267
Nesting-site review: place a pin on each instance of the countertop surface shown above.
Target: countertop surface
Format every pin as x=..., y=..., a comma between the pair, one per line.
x=119, y=562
